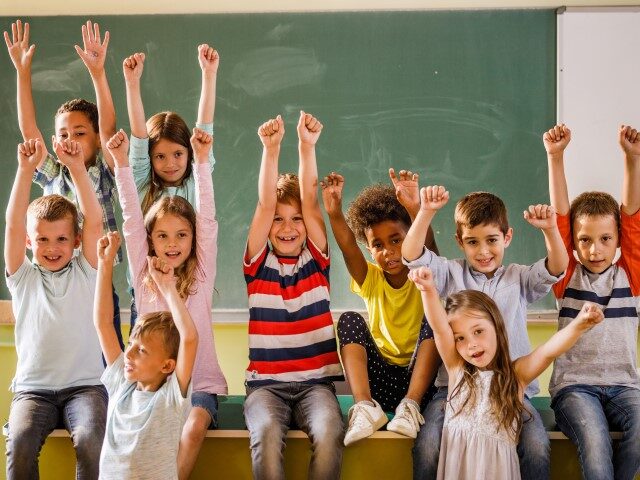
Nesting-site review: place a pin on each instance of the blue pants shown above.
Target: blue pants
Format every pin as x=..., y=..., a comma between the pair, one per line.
x=586, y=413
x=533, y=447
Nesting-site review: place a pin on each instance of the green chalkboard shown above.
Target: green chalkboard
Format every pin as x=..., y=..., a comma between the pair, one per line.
x=459, y=96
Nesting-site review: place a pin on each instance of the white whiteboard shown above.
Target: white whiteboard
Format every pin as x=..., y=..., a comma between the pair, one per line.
x=598, y=89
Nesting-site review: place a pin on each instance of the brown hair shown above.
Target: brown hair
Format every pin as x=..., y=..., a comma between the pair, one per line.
x=169, y=126
x=52, y=208
x=163, y=324
x=480, y=208
x=375, y=204
x=504, y=393
x=594, y=204
x=288, y=189
x=81, y=105
x=185, y=273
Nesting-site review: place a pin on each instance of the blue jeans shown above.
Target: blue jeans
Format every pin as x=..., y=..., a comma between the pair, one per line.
x=586, y=413
x=208, y=402
x=268, y=413
x=533, y=447
x=36, y=413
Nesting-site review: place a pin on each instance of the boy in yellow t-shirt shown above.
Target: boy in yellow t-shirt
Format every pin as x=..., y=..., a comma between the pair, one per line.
x=377, y=354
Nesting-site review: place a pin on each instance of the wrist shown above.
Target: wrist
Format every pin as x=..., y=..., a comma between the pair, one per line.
x=305, y=146
x=209, y=74
x=556, y=156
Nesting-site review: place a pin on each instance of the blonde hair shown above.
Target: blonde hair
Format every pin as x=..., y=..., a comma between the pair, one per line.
x=288, y=189
x=52, y=208
x=161, y=323
x=504, y=393
x=187, y=272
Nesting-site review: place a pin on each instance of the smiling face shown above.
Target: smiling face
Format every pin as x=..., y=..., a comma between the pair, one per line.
x=52, y=242
x=77, y=126
x=172, y=239
x=146, y=361
x=475, y=336
x=288, y=231
x=384, y=242
x=484, y=246
x=595, y=239
x=169, y=161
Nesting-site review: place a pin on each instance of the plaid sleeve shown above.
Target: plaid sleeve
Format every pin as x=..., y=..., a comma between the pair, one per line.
x=49, y=170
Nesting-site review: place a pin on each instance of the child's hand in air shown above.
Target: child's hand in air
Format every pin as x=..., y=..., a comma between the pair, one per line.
x=590, y=315
x=94, y=52
x=162, y=274
x=201, y=143
x=423, y=278
x=69, y=153
x=433, y=197
x=208, y=58
x=108, y=247
x=31, y=153
x=332, y=186
x=556, y=139
x=541, y=216
x=20, y=51
x=629, y=139
x=407, y=190
x=271, y=132
x=132, y=66
x=118, y=146
x=309, y=128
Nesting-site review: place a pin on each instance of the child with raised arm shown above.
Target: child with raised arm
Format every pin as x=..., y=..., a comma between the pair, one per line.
x=595, y=386
x=483, y=234
x=485, y=406
x=149, y=383
x=78, y=120
x=292, y=346
x=185, y=239
x=390, y=360
x=57, y=380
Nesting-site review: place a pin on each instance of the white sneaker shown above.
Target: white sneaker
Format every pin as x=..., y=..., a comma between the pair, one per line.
x=407, y=419
x=364, y=419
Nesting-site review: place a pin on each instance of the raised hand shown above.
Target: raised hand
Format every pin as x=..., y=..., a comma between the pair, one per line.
x=118, y=146
x=208, y=58
x=162, y=274
x=108, y=247
x=201, y=143
x=20, y=51
x=423, y=278
x=590, y=315
x=309, y=128
x=31, y=153
x=629, y=139
x=69, y=153
x=556, y=139
x=271, y=132
x=332, y=186
x=94, y=51
x=407, y=189
x=132, y=67
x=433, y=197
x=541, y=216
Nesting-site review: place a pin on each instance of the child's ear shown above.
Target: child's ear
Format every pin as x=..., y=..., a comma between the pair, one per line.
x=28, y=242
x=507, y=237
x=169, y=366
x=458, y=241
x=77, y=241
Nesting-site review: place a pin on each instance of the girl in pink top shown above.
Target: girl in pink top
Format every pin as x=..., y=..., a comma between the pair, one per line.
x=186, y=240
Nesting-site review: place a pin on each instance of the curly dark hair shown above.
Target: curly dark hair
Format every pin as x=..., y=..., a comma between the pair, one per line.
x=375, y=204
x=81, y=105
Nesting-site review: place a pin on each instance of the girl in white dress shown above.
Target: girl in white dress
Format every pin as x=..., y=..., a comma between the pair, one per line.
x=484, y=409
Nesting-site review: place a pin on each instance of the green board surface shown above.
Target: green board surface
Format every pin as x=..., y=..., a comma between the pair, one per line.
x=459, y=96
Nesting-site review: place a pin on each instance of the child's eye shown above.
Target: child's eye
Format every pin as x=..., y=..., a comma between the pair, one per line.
x=79, y=134
x=472, y=242
x=583, y=240
x=182, y=235
x=62, y=135
x=459, y=339
x=395, y=241
x=493, y=240
x=297, y=219
x=477, y=332
x=179, y=154
x=62, y=239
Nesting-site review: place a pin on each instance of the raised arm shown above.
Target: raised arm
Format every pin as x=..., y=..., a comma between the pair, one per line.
x=118, y=146
x=433, y=199
x=544, y=218
x=332, y=186
x=530, y=366
x=30, y=154
x=132, y=67
x=555, y=141
x=209, y=61
x=69, y=153
x=408, y=194
x=629, y=139
x=434, y=311
x=162, y=275
x=270, y=133
x=93, y=55
x=103, y=302
x=309, y=129
x=21, y=54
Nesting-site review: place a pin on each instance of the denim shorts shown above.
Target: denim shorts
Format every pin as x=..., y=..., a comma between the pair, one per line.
x=208, y=401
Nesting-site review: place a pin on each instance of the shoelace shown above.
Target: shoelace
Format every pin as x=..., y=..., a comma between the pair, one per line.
x=412, y=415
x=358, y=420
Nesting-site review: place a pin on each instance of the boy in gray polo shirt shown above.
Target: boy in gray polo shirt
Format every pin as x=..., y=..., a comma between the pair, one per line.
x=57, y=381
x=483, y=234
x=595, y=386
